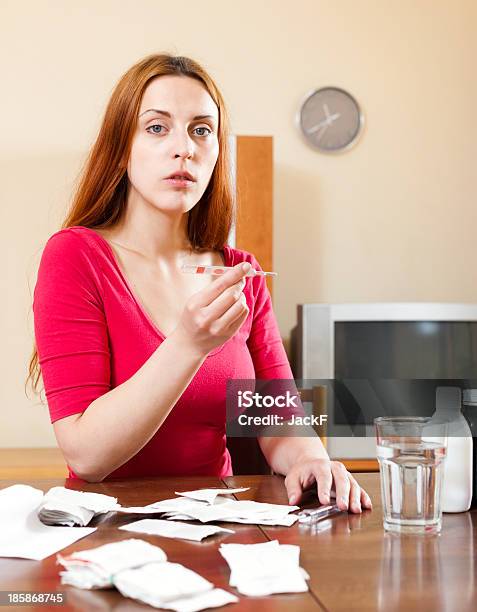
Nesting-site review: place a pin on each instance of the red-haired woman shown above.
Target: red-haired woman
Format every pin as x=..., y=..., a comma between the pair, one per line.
x=135, y=354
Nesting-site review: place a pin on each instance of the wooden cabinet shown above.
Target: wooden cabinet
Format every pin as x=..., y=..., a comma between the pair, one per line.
x=252, y=166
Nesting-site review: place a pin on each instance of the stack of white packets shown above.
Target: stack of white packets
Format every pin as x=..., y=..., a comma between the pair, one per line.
x=208, y=505
x=141, y=571
x=61, y=506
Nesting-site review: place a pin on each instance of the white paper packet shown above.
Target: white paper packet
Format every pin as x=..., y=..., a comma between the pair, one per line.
x=174, y=529
x=216, y=598
x=138, y=510
x=60, y=512
x=250, y=511
x=95, y=567
x=162, y=582
x=247, y=505
x=177, y=504
x=171, y=586
x=283, y=521
x=98, y=502
x=209, y=495
x=264, y=569
x=61, y=506
x=170, y=505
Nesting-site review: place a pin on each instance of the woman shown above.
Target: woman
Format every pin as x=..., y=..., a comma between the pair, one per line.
x=134, y=353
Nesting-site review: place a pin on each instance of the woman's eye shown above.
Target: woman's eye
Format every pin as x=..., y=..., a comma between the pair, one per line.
x=160, y=129
x=155, y=129
x=206, y=133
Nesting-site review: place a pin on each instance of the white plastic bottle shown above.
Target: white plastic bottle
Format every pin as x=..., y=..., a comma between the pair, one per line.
x=457, y=484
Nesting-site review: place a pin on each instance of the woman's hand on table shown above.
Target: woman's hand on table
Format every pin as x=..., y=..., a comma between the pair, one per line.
x=327, y=476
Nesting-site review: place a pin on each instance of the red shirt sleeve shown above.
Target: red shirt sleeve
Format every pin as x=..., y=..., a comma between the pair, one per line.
x=70, y=327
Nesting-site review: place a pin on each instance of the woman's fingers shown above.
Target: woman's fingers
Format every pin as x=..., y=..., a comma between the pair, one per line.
x=221, y=305
x=366, y=500
x=358, y=498
x=293, y=487
x=354, y=495
x=342, y=484
x=238, y=310
x=238, y=321
x=324, y=480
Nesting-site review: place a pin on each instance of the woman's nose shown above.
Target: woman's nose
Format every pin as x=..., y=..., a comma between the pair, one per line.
x=183, y=147
x=184, y=155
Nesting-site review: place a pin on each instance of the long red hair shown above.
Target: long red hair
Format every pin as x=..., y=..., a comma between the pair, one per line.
x=101, y=194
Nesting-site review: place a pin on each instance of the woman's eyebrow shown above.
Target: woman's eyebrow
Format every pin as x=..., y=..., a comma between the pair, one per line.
x=166, y=114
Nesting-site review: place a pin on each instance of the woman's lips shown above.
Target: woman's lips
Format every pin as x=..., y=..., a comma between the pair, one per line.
x=181, y=183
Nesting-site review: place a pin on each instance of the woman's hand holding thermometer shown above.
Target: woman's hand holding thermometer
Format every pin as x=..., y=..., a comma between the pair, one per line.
x=214, y=314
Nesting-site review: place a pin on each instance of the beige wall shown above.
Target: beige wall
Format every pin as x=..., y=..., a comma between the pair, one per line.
x=393, y=219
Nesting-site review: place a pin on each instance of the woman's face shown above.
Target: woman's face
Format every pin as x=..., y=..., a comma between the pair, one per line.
x=176, y=133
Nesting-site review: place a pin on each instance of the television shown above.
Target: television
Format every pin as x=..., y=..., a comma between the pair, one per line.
x=389, y=357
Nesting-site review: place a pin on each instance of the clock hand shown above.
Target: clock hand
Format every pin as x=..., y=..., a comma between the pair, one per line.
x=325, y=122
x=318, y=126
x=325, y=108
x=322, y=131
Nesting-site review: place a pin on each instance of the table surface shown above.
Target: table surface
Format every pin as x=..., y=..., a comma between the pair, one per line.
x=353, y=564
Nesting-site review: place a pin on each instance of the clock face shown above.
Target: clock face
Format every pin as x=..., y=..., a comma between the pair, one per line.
x=330, y=119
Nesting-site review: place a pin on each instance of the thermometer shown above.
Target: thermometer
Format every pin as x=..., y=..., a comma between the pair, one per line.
x=217, y=270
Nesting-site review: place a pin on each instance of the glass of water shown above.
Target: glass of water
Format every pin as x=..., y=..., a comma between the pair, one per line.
x=411, y=453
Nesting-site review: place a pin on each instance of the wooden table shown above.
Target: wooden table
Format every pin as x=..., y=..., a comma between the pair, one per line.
x=353, y=563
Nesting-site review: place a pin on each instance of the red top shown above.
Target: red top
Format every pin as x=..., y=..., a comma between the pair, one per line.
x=92, y=334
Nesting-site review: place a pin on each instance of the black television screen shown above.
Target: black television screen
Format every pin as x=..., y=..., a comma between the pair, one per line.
x=406, y=349
x=393, y=367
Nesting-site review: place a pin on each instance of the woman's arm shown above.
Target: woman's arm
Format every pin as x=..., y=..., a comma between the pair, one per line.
x=119, y=423
x=282, y=453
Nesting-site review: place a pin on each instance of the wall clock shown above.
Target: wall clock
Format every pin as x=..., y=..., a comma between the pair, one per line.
x=330, y=119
